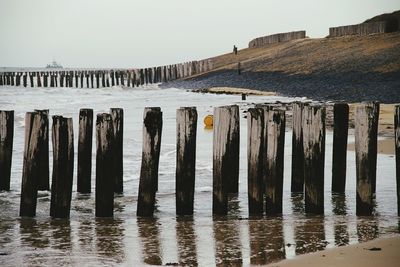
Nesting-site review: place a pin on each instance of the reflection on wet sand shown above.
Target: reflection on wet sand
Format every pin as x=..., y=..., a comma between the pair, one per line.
x=228, y=249
x=367, y=228
x=86, y=235
x=187, y=238
x=61, y=234
x=341, y=231
x=109, y=239
x=309, y=234
x=34, y=234
x=149, y=234
x=267, y=243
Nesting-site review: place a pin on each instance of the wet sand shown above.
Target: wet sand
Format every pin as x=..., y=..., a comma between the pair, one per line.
x=379, y=252
x=235, y=91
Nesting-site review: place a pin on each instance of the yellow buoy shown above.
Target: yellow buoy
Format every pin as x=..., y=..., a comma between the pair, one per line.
x=208, y=121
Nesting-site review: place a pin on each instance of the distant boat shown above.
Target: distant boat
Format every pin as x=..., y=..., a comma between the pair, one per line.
x=54, y=65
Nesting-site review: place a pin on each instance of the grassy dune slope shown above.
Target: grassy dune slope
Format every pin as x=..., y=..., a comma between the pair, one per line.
x=347, y=68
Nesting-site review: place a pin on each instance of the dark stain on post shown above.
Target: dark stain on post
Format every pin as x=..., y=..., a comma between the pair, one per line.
x=63, y=167
x=30, y=170
x=340, y=133
x=43, y=164
x=274, y=161
x=117, y=115
x=255, y=160
x=152, y=128
x=186, y=120
x=366, y=136
x=104, y=166
x=297, y=182
x=85, y=150
x=314, y=157
x=6, y=147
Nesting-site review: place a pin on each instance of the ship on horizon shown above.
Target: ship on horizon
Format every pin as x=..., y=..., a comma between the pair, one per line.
x=54, y=65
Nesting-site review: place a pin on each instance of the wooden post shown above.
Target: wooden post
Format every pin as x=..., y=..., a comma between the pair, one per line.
x=117, y=77
x=6, y=147
x=186, y=128
x=39, y=82
x=1, y=80
x=25, y=79
x=152, y=128
x=297, y=182
x=76, y=79
x=63, y=167
x=104, y=166
x=314, y=157
x=85, y=150
x=225, y=156
x=112, y=78
x=97, y=79
x=103, y=79
x=397, y=144
x=274, y=161
x=87, y=79
x=31, y=79
x=340, y=132
x=43, y=164
x=255, y=169
x=366, y=135
x=91, y=79
x=62, y=80
x=30, y=174
x=81, y=76
x=117, y=115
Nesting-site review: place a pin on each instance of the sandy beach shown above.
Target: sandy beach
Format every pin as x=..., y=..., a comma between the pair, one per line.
x=380, y=252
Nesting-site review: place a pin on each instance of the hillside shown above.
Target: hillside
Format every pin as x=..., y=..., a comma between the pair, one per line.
x=347, y=68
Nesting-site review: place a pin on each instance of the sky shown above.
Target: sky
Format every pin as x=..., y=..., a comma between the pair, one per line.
x=144, y=33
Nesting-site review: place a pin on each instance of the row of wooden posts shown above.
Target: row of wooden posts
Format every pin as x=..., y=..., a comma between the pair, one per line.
x=104, y=78
x=265, y=150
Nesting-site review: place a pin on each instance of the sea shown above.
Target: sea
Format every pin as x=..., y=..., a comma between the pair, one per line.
x=199, y=240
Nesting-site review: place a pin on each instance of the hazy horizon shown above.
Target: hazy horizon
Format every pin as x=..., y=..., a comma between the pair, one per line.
x=127, y=34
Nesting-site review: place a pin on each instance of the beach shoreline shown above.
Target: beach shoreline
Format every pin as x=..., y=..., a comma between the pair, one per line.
x=378, y=252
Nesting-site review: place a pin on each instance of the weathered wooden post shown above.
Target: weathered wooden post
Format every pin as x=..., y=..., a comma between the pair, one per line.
x=104, y=166
x=97, y=79
x=63, y=167
x=274, y=161
x=112, y=78
x=297, y=181
x=91, y=79
x=30, y=174
x=76, y=79
x=6, y=147
x=186, y=128
x=103, y=79
x=225, y=156
x=31, y=79
x=62, y=80
x=117, y=115
x=397, y=144
x=314, y=157
x=152, y=128
x=366, y=136
x=116, y=77
x=51, y=80
x=87, y=79
x=81, y=76
x=25, y=79
x=255, y=169
x=1, y=79
x=340, y=132
x=43, y=182
x=85, y=150
x=38, y=79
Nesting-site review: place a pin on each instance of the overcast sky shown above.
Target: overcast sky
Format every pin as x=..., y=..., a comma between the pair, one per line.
x=140, y=33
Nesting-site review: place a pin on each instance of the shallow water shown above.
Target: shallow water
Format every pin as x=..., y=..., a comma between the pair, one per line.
x=197, y=240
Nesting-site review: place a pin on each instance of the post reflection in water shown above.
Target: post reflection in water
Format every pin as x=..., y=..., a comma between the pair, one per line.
x=109, y=239
x=228, y=249
x=187, y=238
x=86, y=235
x=34, y=235
x=61, y=234
x=341, y=231
x=149, y=234
x=309, y=231
x=267, y=243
